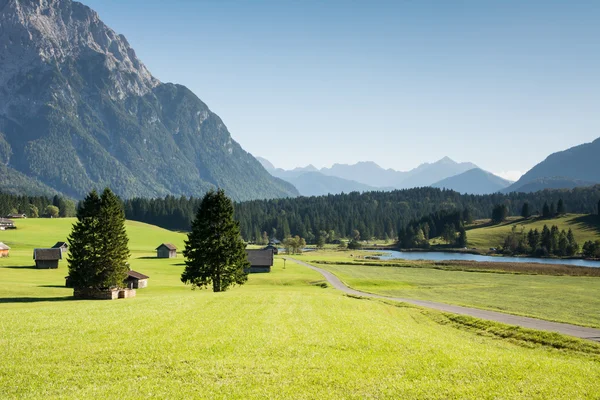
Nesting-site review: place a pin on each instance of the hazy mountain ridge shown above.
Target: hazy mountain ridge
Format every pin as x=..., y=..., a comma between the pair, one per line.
x=78, y=110
x=577, y=166
x=474, y=181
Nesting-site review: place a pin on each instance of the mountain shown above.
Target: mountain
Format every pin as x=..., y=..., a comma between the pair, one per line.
x=372, y=174
x=310, y=182
x=79, y=110
x=577, y=166
x=474, y=181
x=317, y=184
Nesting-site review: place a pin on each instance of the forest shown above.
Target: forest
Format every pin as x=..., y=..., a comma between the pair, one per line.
x=380, y=215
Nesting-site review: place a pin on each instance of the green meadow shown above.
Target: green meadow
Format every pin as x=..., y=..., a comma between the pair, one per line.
x=279, y=336
x=585, y=227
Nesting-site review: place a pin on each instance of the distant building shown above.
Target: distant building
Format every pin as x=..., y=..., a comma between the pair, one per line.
x=260, y=260
x=47, y=258
x=63, y=246
x=135, y=280
x=4, y=250
x=273, y=248
x=6, y=224
x=16, y=216
x=166, y=250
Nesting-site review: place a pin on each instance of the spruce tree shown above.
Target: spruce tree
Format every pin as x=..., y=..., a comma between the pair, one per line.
x=525, y=213
x=98, y=244
x=214, y=252
x=598, y=207
x=560, y=209
x=546, y=211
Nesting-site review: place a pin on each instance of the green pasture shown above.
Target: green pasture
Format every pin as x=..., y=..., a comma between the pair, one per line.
x=585, y=227
x=571, y=299
x=279, y=336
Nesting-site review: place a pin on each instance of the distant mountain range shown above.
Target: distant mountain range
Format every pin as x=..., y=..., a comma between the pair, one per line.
x=574, y=167
x=79, y=110
x=474, y=181
x=368, y=176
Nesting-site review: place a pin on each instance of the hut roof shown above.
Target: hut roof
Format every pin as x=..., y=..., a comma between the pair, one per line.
x=260, y=258
x=59, y=245
x=168, y=246
x=136, y=275
x=3, y=246
x=47, y=254
x=6, y=221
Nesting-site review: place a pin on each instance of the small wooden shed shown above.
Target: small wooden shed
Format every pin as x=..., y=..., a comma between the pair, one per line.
x=63, y=246
x=4, y=250
x=260, y=260
x=6, y=224
x=273, y=248
x=47, y=258
x=166, y=250
x=135, y=280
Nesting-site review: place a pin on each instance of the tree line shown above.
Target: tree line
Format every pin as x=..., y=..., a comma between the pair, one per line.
x=37, y=206
x=381, y=215
x=550, y=241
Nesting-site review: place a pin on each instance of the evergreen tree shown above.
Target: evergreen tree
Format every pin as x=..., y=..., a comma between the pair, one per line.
x=215, y=252
x=98, y=244
x=546, y=211
x=462, y=237
x=552, y=210
x=499, y=213
x=525, y=213
x=599, y=207
x=560, y=209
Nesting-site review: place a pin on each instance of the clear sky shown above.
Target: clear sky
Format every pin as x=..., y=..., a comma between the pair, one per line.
x=501, y=83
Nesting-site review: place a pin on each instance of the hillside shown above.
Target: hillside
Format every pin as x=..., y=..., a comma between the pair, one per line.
x=585, y=227
x=577, y=166
x=173, y=342
x=79, y=110
x=474, y=181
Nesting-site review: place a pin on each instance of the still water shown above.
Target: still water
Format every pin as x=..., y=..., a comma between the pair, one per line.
x=440, y=256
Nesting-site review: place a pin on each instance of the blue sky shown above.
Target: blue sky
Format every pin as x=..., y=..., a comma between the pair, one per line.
x=499, y=83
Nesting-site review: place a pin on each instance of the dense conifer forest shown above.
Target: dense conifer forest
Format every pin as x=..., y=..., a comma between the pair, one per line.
x=374, y=214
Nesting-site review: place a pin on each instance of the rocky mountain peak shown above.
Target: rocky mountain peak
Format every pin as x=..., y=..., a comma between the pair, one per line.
x=44, y=34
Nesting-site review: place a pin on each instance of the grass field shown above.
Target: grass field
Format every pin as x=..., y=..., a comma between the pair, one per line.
x=279, y=336
x=571, y=299
x=585, y=227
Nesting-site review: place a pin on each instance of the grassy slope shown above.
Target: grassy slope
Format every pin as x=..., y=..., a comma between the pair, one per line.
x=585, y=227
x=558, y=298
x=278, y=337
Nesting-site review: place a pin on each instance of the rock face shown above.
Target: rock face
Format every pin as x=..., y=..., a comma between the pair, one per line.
x=79, y=110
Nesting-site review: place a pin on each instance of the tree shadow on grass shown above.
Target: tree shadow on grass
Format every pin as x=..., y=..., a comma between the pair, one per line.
x=54, y=286
x=149, y=258
x=20, y=267
x=4, y=300
x=589, y=223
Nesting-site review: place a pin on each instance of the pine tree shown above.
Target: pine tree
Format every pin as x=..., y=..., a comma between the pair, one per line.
x=546, y=211
x=98, y=244
x=599, y=207
x=560, y=209
x=462, y=237
x=525, y=213
x=215, y=253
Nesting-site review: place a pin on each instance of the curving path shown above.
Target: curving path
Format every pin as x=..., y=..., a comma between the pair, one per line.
x=525, y=322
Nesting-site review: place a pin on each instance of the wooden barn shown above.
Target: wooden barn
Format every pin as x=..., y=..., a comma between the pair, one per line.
x=273, y=248
x=135, y=280
x=63, y=246
x=166, y=250
x=260, y=260
x=4, y=250
x=47, y=258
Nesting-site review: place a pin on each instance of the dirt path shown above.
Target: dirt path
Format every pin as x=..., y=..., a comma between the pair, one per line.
x=525, y=322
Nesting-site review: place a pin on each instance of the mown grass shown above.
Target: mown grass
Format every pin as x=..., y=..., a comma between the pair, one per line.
x=279, y=336
x=585, y=227
x=567, y=299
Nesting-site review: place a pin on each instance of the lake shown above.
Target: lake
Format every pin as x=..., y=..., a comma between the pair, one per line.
x=441, y=256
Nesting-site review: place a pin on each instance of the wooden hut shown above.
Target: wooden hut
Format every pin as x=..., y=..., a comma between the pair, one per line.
x=273, y=248
x=4, y=250
x=135, y=280
x=63, y=246
x=47, y=258
x=6, y=224
x=16, y=216
x=260, y=260
x=166, y=250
